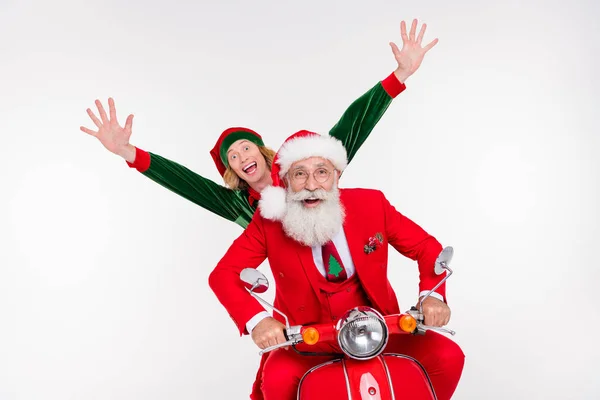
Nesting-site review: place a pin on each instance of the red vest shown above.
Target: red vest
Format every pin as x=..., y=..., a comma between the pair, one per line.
x=338, y=297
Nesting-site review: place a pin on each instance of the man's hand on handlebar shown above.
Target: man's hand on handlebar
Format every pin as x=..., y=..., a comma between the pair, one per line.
x=268, y=332
x=435, y=312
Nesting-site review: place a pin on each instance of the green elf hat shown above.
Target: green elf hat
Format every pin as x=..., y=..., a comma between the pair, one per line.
x=219, y=152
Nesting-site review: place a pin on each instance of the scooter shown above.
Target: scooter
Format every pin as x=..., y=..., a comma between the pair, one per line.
x=363, y=371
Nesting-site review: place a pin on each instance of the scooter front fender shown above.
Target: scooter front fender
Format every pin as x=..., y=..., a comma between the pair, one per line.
x=386, y=377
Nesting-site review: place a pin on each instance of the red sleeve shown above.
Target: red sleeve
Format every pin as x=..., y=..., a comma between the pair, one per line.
x=410, y=240
x=141, y=162
x=249, y=250
x=392, y=85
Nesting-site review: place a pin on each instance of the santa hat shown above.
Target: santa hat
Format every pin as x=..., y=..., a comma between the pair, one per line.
x=219, y=152
x=300, y=146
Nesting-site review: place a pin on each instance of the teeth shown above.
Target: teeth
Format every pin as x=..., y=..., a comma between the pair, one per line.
x=247, y=167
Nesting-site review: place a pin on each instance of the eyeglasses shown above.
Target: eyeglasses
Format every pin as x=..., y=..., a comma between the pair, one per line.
x=301, y=176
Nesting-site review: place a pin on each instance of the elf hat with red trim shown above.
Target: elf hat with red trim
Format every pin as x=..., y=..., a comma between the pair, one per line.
x=300, y=146
x=227, y=138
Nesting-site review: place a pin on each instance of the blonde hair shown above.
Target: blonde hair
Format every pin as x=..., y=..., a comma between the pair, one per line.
x=233, y=181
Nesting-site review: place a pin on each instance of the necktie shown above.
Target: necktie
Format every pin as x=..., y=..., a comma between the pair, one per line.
x=333, y=263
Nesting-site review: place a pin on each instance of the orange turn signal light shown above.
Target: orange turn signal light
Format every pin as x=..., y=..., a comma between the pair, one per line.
x=310, y=336
x=407, y=323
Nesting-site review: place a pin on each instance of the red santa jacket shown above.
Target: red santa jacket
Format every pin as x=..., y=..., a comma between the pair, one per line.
x=368, y=212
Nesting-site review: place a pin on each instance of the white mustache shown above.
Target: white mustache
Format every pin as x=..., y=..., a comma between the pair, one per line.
x=304, y=194
x=317, y=225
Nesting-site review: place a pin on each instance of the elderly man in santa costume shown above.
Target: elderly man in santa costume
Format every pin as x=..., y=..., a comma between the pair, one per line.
x=314, y=236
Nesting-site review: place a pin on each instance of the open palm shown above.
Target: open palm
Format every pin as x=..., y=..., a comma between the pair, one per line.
x=411, y=55
x=112, y=135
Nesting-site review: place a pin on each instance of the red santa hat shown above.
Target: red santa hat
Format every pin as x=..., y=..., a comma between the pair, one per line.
x=300, y=146
x=227, y=138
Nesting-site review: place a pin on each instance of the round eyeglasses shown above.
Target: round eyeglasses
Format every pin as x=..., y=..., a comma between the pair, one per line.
x=301, y=176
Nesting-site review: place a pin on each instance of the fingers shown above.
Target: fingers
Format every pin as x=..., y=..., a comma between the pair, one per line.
x=279, y=337
x=413, y=30
x=88, y=131
x=395, y=49
x=403, y=31
x=446, y=319
x=102, y=112
x=262, y=342
x=443, y=319
x=269, y=337
x=129, y=123
x=430, y=45
x=94, y=118
x=268, y=341
x=436, y=316
x=421, y=33
x=431, y=314
x=112, y=110
x=430, y=318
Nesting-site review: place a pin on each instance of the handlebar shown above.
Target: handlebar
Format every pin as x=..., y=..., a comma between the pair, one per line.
x=328, y=332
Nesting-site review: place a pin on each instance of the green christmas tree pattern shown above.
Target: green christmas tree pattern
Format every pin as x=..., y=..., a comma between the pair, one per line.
x=334, y=266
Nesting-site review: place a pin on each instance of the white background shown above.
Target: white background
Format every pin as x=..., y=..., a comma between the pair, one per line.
x=492, y=149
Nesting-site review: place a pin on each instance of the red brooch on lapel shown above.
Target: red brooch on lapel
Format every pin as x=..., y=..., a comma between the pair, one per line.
x=374, y=243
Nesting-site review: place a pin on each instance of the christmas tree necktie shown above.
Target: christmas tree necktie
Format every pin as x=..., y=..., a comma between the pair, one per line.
x=333, y=263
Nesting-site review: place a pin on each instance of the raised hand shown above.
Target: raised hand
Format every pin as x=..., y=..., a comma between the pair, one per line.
x=112, y=136
x=411, y=55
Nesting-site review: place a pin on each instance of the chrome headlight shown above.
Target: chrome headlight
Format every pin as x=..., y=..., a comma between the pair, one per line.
x=362, y=333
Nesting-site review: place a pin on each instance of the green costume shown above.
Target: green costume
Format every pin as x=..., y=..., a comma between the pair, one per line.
x=238, y=206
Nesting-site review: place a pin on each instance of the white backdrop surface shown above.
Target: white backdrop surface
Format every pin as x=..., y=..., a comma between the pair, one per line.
x=492, y=149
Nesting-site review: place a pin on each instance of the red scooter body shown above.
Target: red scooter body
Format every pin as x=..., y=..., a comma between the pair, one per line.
x=366, y=373
x=385, y=377
x=374, y=379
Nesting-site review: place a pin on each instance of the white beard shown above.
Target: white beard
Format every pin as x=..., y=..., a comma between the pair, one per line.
x=313, y=226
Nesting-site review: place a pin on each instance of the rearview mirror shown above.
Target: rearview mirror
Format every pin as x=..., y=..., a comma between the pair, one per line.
x=254, y=280
x=443, y=260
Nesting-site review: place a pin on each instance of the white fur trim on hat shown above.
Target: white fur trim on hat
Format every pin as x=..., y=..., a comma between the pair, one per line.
x=272, y=203
x=304, y=147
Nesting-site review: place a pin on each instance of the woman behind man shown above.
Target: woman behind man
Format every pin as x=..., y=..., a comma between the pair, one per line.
x=240, y=154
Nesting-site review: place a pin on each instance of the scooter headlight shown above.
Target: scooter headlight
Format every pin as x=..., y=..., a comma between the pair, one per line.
x=362, y=333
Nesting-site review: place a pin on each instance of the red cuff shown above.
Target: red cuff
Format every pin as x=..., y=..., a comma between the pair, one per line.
x=392, y=85
x=142, y=160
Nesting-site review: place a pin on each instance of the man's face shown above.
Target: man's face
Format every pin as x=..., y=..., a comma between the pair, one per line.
x=314, y=213
x=312, y=174
x=246, y=160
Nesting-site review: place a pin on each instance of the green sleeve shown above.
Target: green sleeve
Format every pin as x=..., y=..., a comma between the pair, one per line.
x=360, y=118
x=230, y=204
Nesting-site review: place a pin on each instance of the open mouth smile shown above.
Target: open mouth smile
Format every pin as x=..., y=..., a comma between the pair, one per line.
x=250, y=168
x=311, y=202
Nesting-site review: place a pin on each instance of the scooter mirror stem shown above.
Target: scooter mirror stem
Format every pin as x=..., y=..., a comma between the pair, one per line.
x=264, y=303
x=445, y=266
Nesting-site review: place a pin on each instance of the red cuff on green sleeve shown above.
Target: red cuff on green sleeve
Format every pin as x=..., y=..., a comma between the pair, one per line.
x=392, y=85
x=142, y=160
